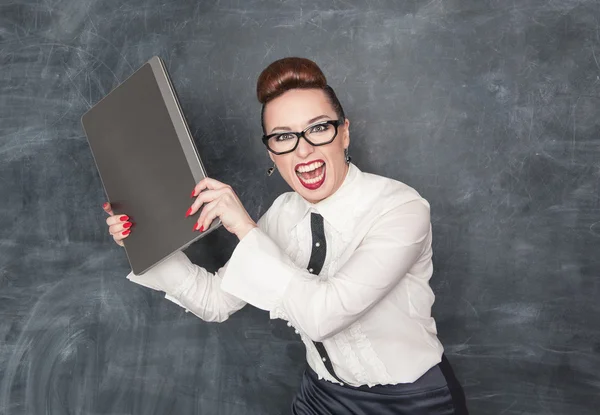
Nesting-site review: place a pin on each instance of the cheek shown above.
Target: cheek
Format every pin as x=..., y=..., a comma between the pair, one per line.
x=283, y=165
x=335, y=155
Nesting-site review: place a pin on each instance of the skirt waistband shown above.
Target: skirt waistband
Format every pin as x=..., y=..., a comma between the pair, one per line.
x=432, y=379
x=436, y=392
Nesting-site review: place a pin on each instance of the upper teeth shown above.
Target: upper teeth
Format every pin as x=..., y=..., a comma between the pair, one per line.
x=310, y=167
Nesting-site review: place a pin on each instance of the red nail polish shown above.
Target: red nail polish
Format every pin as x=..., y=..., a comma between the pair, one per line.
x=201, y=228
x=195, y=225
x=105, y=205
x=127, y=225
x=126, y=232
x=193, y=191
x=188, y=212
x=124, y=218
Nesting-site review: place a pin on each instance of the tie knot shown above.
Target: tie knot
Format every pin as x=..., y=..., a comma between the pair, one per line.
x=316, y=223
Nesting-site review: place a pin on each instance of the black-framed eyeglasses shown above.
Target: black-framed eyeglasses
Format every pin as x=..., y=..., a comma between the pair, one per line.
x=318, y=134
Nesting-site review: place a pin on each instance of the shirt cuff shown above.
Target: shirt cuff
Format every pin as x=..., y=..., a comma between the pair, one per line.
x=176, y=301
x=171, y=275
x=258, y=272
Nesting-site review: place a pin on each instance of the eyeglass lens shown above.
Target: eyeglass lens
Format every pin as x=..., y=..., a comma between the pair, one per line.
x=316, y=134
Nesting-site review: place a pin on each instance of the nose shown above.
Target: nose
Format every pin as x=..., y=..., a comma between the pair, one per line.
x=304, y=149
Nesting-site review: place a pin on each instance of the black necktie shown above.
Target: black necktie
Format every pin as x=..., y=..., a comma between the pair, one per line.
x=315, y=264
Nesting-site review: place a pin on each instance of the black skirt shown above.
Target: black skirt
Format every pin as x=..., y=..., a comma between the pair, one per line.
x=437, y=392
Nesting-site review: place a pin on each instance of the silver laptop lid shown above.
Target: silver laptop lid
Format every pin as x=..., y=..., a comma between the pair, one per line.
x=148, y=164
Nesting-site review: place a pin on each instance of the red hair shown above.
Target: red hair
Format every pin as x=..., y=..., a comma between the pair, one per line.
x=290, y=73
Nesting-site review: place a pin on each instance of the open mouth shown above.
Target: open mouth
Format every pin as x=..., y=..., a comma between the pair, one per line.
x=311, y=175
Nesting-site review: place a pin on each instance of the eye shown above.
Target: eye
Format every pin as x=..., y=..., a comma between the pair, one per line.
x=283, y=137
x=319, y=128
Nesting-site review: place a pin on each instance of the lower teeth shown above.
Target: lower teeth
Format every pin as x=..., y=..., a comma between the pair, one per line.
x=313, y=180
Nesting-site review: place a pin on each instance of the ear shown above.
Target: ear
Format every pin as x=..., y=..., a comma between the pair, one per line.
x=271, y=156
x=346, y=138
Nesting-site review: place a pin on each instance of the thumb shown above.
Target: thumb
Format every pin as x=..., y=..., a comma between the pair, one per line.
x=107, y=208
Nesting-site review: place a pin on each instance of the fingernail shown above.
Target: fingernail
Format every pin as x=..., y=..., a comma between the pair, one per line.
x=202, y=228
x=127, y=225
x=193, y=191
x=188, y=212
x=105, y=205
x=195, y=226
x=124, y=218
x=126, y=232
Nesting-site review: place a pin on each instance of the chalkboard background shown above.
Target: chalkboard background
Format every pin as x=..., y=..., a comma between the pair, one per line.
x=488, y=108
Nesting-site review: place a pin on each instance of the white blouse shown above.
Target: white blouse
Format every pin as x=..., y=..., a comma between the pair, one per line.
x=371, y=303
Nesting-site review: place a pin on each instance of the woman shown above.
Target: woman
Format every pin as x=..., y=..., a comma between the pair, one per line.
x=345, y=258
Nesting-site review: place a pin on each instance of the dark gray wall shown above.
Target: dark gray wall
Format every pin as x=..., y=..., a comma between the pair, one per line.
x=488, y=108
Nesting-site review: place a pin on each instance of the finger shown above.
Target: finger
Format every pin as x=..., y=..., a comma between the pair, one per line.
x=201, y=222
x=209, y=213
x=119, y=228
x=116, y=219
x=206, y=196
x=119, y=239
x=107, y=208
x=208, y=183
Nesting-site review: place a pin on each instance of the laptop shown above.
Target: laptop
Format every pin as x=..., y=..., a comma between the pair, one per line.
x=148, y=164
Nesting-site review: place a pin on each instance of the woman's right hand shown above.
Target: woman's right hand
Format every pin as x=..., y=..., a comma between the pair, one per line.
x=117, y=225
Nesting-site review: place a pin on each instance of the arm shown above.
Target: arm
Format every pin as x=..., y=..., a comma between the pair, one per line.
x=193, y=287
x=323, y=308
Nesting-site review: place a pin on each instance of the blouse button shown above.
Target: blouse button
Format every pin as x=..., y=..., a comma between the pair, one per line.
x=296, y=331
x=318, y=244
x=324, y=359
x=289, y=324
x=310, y=270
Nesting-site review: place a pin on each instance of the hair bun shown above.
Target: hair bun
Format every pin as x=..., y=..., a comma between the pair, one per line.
x=288, y=73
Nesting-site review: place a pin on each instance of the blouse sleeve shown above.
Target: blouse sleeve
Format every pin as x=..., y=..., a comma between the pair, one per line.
x=193, y=287
x=322, y=308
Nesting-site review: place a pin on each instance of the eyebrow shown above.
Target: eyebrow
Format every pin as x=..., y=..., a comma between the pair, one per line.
x=308, y=123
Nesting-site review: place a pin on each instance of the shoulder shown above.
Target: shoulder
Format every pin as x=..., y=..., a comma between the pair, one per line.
x=383, y=194
x=394, y=208
x=289, y=201
x=283, y=201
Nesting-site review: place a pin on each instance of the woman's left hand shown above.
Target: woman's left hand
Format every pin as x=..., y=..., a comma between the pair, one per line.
x=221, y=201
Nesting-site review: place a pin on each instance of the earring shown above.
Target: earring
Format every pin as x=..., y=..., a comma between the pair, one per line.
x=348, y=158
x=270, y=170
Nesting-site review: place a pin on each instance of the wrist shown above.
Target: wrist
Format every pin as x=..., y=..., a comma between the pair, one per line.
x=245, y=230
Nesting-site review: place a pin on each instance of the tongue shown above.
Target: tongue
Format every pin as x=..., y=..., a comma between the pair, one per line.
x=312, y=174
